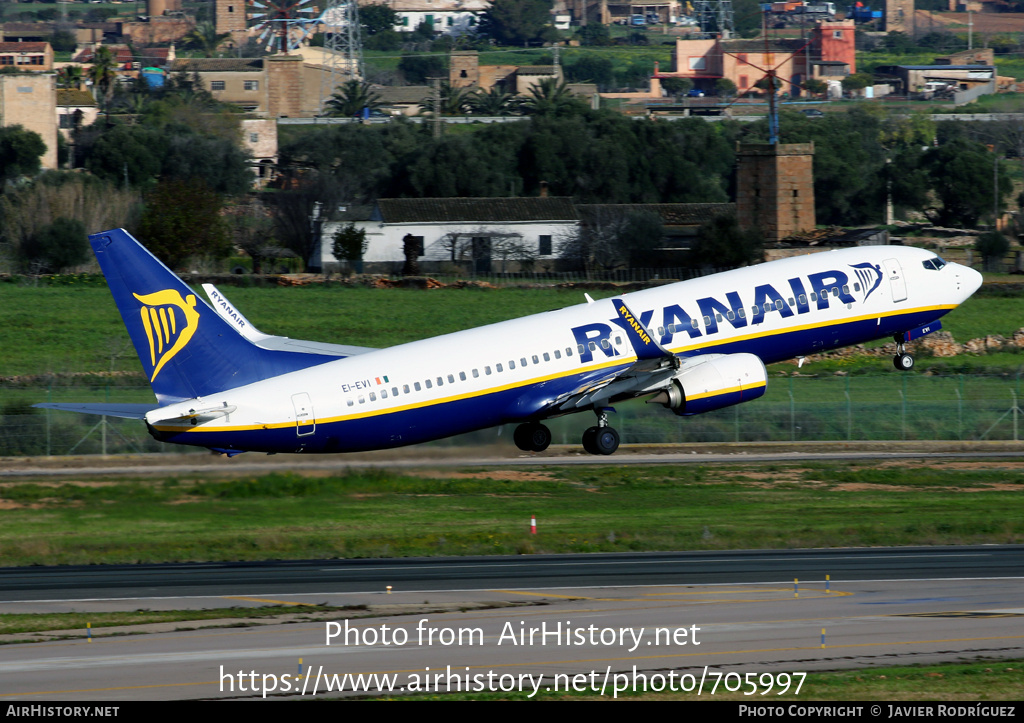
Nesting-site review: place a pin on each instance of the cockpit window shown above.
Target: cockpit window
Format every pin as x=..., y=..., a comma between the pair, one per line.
x=934, y=264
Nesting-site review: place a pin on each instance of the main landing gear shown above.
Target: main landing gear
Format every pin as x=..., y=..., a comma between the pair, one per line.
x=902, y=361
x=532, y=437
x=601, y=439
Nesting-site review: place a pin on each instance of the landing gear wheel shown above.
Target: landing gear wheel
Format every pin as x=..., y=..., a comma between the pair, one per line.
x=532, y=437
x=606, y=441
x=904, y=362
x=600, y=440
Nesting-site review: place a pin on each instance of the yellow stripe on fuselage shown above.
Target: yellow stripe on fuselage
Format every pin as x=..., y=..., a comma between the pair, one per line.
x=621, y=361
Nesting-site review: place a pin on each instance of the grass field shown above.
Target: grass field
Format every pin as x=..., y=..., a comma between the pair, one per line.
x=599, y=509
x=67, y=329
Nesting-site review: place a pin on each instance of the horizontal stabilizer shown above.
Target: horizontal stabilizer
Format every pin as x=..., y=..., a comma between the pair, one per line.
x=229, y=313
x=124, y=411
x=197, y=415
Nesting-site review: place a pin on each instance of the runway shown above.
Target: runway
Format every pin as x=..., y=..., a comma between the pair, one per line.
x=597, y=622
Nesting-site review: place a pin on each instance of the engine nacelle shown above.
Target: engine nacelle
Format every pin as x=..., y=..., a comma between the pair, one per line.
x=714, y=381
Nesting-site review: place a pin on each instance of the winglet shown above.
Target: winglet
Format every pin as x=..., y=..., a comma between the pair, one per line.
x=643, y=341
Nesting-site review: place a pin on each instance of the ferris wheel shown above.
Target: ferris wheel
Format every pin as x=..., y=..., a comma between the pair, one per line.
x=284, y=24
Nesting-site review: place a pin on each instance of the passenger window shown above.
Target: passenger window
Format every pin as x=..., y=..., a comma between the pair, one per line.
x=754, y=310
x=779, y=304
x=671, y=328
x=694, y=324
x=824, y=294
x=522, y=361
x=729, y=315
x=511, y=364
x=835, y=291
x=351, y=403
x=362, y=399
x=803, y=299
x=661, y=331
x=767, y=306
x=499, y=368
x=416, y=386
x=605, y=344
x=707, y=321
x=487, y=371
x=558, y=354
x=742, y=313
x=394, y=391
x=440, y=381
x=535, y=359
x=373, y=397
x=846, y=289
x=405, y=388
x=718, y=317
x=451, y=378
x=429, y=385
x=814, y=297
x=547, y=357
x=581, y=348
x=475, y=374
x=568, y=350
x=792, y=302
x=383, y=393
x=593, y=346
x=856, y=287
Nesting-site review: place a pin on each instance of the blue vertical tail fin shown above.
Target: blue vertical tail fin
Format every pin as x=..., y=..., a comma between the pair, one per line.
x=186, y=349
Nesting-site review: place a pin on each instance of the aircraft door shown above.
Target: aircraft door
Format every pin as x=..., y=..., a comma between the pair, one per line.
x=305, y=422
x=897, y=283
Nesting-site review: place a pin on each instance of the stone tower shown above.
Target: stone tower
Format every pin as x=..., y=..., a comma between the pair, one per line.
x=775, y=188
x=464, y=69
x=230, y=16
x=899, y=16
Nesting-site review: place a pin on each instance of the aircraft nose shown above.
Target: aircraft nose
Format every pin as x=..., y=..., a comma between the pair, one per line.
x=968, y=280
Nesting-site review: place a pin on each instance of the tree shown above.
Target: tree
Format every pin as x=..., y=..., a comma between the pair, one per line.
x=611, y=238
x=205, y=39
x=420, y=69
x=518, y=22
x=549, y=97
x=103, y=73
x=992, y=245
x=961, y=173
x=299, y=214
x=725, y=88
x=63, y=41
x=722, y=243
x=591, y=68
x=20, y=151
x=594, y=34
x=676, y=86
x=349, y=244
x=493, y=102
x=349, y=99
x=181, y=220
x=815, y=86
x=377, y=18
x=56, y=246
x=857, y=81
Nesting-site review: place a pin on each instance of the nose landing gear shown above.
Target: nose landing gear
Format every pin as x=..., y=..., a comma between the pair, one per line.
x=902, y=361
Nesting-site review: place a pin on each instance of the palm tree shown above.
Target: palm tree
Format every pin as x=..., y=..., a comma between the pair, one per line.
x=103, y=74
x=351, y=98
x=494, y=102
x=70, y=76
x=205, y=39
x=454, y=100
x=551, y=97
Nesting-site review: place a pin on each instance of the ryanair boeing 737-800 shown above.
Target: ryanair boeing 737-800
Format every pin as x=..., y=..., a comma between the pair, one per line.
x=691, y=346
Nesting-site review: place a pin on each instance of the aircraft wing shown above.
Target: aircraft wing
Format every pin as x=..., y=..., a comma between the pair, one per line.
x=227, y=311
x=653, y=370
x=124, y=411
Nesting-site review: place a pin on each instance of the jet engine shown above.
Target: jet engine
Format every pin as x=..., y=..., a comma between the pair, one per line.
x=713, y=381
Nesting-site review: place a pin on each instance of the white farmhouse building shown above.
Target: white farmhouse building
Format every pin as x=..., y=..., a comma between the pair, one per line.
x=477, y=235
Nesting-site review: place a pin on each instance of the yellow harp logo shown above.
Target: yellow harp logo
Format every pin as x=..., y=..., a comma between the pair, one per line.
x=170, y=322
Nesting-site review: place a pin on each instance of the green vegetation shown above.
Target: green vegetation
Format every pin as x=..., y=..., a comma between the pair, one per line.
x=62, y=328
x=579, y=509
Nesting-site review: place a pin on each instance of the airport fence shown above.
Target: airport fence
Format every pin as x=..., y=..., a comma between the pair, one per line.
x=891, y=406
